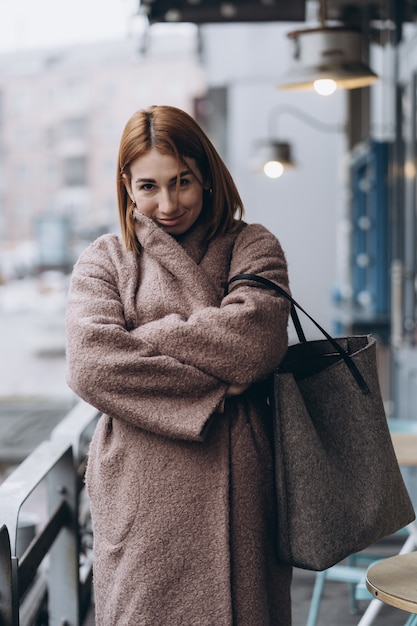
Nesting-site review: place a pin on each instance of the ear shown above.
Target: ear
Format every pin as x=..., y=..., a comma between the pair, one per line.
x=207, y=187
x=128, y=186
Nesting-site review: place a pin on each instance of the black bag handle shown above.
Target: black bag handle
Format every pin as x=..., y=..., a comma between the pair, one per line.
x=297, y=324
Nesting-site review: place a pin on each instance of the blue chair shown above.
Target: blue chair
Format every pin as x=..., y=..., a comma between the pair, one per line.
x=353, y=573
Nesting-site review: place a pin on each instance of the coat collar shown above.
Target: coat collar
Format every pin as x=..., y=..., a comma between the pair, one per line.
x=194, y=242
x=180, y=257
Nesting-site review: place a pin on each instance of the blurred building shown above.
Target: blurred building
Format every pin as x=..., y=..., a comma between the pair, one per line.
x=61, y=116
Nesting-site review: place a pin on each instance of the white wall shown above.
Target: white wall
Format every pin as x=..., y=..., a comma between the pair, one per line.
x=305, y=207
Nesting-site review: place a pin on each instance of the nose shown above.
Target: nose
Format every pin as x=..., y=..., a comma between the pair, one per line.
x=168, y=201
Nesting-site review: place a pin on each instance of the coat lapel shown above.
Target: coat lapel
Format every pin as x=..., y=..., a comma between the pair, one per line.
x=180, y=258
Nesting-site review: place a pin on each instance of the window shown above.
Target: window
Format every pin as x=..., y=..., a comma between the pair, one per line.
x=50, y=137
x=75, y=128
x=75, y=171
x=51, y=177
x=21, y=173
x=22, y=137
x=22, y=101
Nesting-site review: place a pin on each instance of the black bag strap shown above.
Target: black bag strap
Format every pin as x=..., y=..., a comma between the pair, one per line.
x=297, y=324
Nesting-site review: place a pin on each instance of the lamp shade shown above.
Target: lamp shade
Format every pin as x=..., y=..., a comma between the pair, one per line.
x=327, y=53
x=271, y=158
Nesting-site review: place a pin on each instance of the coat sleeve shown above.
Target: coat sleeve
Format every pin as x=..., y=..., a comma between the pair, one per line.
x=244, y=339
x=121, y=373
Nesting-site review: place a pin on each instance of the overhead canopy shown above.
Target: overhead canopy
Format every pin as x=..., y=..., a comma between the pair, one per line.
x=352, y=12
x=206, y=11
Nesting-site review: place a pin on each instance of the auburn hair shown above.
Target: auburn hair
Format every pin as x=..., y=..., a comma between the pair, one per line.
x=173, y=131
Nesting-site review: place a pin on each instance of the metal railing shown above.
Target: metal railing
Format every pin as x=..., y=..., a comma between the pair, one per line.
x=48, y=575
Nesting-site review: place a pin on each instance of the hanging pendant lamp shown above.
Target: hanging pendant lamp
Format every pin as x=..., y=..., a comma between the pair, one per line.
x=327, y=57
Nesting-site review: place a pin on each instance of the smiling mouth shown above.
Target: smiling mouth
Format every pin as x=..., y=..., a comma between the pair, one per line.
x=170, y=221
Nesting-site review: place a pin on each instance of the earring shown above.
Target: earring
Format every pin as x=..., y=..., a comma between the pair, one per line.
x=210, y=192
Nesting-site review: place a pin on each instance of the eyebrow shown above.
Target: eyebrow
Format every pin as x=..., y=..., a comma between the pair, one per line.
x=173, y=179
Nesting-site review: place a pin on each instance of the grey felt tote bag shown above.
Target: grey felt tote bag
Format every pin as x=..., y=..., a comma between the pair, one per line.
x=338, y=484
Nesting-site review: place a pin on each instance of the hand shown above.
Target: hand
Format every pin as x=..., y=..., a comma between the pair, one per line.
x=236, y=390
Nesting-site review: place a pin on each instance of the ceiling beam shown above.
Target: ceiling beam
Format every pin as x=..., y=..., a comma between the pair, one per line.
x=215, y=11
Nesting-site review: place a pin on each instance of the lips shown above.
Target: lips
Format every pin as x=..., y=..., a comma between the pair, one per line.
x=171, y=221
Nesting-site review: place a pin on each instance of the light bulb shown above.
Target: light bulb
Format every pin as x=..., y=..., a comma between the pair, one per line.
x=273, y=169
x=409, y=170
x=325, y=86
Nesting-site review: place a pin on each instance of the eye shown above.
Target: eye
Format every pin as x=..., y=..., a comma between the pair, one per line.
x=184, y=182
x=147, y=186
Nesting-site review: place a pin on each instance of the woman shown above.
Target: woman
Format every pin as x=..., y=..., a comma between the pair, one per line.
x=180, y=472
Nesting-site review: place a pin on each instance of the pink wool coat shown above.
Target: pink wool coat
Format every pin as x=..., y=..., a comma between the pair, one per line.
x=180, y=478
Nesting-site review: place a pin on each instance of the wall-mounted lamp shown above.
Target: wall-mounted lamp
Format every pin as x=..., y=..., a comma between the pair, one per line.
x=274, y=156
x=327, y=57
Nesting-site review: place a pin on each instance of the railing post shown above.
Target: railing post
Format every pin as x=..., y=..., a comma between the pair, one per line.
x=8, y=615
x=64, y=605
x=15, y=591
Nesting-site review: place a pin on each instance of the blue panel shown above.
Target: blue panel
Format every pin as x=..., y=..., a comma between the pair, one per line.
x=370, y=241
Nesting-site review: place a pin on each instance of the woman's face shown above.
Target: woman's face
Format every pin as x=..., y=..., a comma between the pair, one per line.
x=153, y=188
